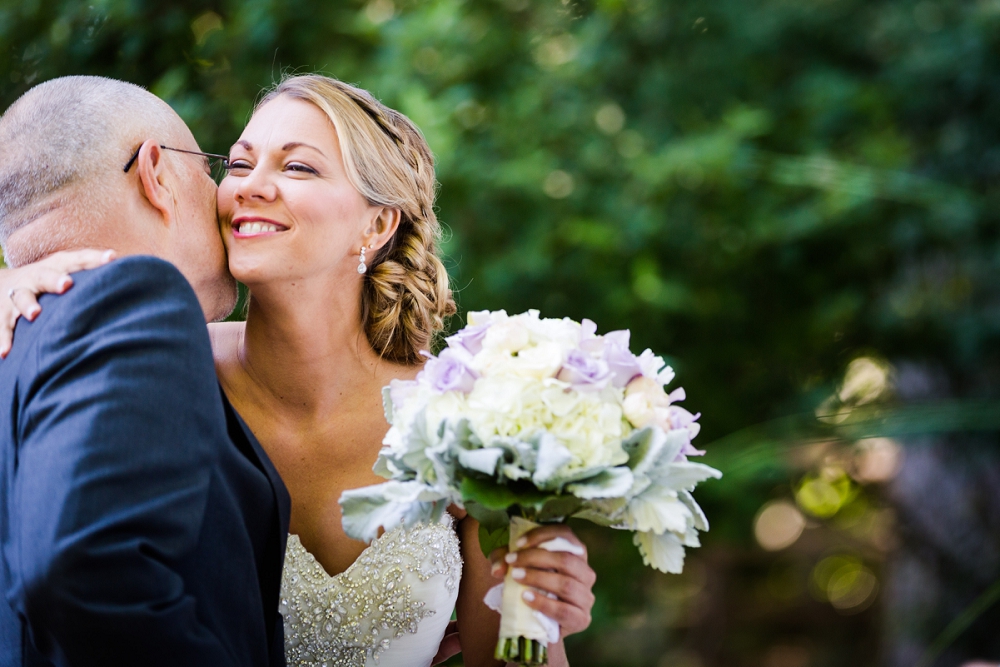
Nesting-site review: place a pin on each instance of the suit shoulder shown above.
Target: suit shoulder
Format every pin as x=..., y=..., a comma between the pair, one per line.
x=137, y=273
x=133, y=293
x=122, y=285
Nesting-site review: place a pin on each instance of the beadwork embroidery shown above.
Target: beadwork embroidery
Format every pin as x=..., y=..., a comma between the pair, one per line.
x=343, y=620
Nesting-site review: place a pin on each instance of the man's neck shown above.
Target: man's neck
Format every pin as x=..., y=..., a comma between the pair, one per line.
x=66, y=227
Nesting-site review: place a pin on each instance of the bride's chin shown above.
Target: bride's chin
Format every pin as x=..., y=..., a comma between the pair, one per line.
x=249, y=274
x=258, y=277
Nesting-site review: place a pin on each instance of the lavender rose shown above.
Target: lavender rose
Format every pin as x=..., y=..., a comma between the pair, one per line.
x=470, y=338
x=447, y=372
x=624, y=365
x=584, y=372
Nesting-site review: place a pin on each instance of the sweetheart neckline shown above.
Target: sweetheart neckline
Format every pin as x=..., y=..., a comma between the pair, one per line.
x=315, y=560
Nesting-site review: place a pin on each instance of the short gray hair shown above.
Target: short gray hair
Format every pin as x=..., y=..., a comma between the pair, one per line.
x=62, y=142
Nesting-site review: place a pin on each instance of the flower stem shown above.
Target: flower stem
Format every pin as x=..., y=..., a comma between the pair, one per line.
x=522, y=651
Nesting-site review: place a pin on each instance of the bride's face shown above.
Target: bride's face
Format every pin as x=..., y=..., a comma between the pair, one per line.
x=287, y=209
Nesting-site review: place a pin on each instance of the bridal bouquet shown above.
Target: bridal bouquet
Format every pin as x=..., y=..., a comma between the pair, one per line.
x=524, y=420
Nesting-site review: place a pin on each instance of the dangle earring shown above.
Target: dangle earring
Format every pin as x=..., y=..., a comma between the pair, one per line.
x=362, y=267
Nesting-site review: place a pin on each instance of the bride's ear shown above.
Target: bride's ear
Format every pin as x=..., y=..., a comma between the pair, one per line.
x=383, y=226
x=152, y=179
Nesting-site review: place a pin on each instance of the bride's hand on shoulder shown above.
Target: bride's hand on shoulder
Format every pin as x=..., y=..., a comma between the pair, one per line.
x=566, y=577
x=20, y=287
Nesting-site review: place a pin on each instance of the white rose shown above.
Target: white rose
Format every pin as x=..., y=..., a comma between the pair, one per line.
x=645, y=402
x=493, y=362
x=539, y=361
x=477, y=317
x=565, y=332
x=509, y=335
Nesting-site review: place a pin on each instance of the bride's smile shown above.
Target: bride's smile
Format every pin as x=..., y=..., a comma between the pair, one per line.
x=248, y=227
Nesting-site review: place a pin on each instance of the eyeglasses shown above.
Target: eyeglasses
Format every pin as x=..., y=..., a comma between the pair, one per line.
x=223, y=159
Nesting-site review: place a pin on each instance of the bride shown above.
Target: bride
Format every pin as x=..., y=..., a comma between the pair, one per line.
x=327, y=213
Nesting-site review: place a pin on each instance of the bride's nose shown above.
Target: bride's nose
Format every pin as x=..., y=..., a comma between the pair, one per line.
x=258, y=185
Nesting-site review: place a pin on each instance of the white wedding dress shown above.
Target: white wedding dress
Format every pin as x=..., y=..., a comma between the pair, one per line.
x=389, y=608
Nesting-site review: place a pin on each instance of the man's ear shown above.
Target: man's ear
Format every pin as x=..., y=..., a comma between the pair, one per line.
x=383, y=226
x=151, y=168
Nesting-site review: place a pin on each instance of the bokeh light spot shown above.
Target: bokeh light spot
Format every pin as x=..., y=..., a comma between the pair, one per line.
x=866, y=379
x=380, y=11
x=778, y=525
x=558, y=184
x=610, y=119
x=845, y=582
x=823, y=494
x=876, y=460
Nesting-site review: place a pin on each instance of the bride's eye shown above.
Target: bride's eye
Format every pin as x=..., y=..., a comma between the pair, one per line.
x=299, y=167
x=239, y=167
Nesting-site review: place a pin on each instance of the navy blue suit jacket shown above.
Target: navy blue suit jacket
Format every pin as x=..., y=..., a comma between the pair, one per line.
x=140, y=521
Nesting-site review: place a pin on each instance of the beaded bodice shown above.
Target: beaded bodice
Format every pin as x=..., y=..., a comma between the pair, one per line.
x=390, y=607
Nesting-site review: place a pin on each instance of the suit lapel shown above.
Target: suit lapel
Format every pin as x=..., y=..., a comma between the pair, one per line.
x=252, y=450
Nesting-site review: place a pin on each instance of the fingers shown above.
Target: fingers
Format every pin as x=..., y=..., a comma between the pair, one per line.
x=71, y=261
x=546, y=533
x=48, y=276
x=7, y=332
x=25, y=303
x=571, y=619
x=559, y=582
x=12, y=305
x=567, y=589
x=450, y=644
x=564, y=563
x=51, y=275
x=499, y=566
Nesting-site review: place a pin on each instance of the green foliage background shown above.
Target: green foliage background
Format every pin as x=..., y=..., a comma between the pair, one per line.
x=763, y=190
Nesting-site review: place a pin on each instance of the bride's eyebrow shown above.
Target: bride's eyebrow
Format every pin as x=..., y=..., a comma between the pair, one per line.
x=287, y=147
x=298, y=144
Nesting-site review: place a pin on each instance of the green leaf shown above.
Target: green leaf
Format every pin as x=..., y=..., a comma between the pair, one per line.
x=387, y=403
x=491, y=519
x=487, y=493
x=612, y=483
x=496, y=496
x=558, y=508
x=490, y=540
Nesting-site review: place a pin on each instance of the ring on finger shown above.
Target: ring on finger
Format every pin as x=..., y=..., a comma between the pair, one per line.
x=10, y=292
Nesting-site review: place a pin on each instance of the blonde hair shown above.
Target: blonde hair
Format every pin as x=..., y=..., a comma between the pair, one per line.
x=405, y=298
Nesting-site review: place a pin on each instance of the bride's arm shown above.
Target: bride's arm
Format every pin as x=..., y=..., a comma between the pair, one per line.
x=19, y=288
x=566, y=576
x=478, y=625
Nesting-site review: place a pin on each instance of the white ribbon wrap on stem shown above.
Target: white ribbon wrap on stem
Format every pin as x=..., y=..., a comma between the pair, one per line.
x=517, y=619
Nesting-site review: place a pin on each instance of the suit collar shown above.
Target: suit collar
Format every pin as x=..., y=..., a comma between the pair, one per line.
x=260, y=459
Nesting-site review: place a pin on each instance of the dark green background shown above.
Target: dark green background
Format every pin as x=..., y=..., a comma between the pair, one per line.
x=761, y=190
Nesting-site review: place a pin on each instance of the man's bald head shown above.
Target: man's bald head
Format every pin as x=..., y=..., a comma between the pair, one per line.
x=63, y=145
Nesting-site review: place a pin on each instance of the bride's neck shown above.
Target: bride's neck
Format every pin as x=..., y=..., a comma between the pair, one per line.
x=306, y=349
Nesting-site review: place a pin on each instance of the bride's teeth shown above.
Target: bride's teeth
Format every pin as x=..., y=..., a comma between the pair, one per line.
x=257, y=228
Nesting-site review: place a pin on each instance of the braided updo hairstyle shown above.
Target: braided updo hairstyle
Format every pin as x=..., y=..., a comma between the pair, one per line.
x=405, y=298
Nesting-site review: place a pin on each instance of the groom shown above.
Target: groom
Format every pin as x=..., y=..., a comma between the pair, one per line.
x=140, y=521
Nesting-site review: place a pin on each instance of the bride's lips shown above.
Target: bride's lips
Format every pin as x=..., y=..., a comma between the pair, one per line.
x=246, y=227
